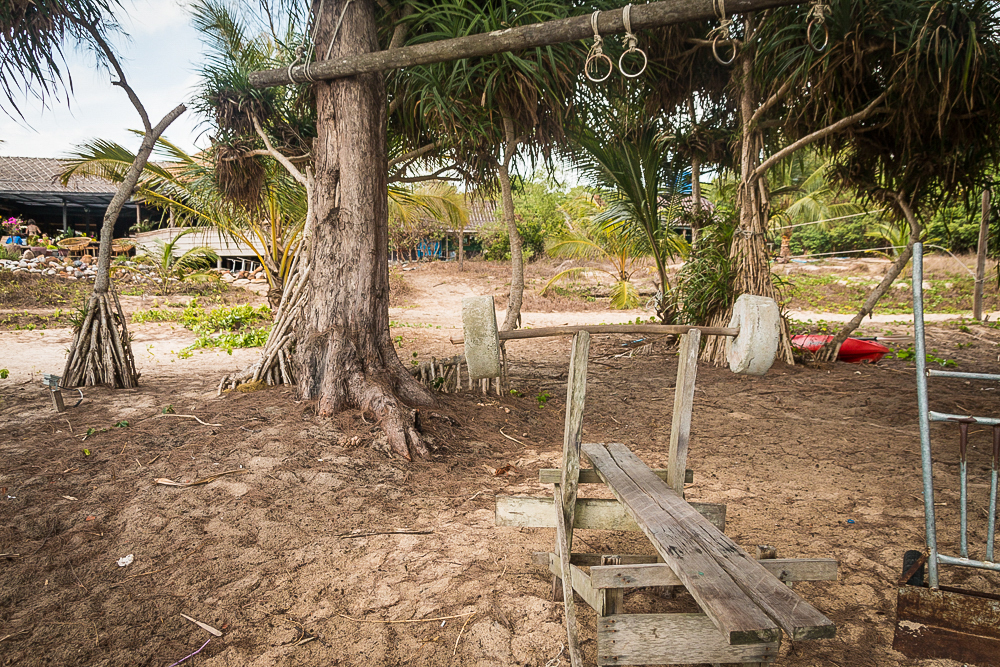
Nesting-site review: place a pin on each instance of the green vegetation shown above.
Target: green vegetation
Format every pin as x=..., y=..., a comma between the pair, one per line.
x=836, y=294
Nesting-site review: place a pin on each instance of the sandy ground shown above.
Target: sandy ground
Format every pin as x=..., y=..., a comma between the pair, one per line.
x=316, y=549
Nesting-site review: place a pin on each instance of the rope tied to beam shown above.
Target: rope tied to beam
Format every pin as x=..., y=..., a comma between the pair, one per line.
x=722, y=32
x=631, y=42
x=816, y=16
x=596, y=54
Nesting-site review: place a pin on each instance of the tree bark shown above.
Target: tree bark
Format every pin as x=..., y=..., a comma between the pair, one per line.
x=512, y=319
x=748, y=252
x=344, y=356
x=696, y=196
x=830, y=351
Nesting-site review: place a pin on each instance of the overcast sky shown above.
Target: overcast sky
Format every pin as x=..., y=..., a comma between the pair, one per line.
x=159, y=58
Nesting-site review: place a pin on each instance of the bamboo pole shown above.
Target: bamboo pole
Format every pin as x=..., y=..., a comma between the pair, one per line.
x=652, y=15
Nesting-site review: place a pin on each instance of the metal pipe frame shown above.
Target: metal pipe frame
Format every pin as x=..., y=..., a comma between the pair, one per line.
x=967, y=376
x=924, y=415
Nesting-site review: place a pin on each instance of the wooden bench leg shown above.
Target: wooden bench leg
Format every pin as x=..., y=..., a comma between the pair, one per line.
x=565, y=492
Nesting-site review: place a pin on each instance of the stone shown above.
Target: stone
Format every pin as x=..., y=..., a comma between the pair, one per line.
x=28, y=255
x=77, y=263
x=241, y=281
x=86, y=259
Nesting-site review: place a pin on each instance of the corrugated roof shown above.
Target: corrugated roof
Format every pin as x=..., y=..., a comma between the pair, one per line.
x=41, y=174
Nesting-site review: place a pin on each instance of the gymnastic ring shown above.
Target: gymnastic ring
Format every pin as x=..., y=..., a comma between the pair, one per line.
x=597, y=57
x=826, y=37
x=645, y=61
x=715, y=52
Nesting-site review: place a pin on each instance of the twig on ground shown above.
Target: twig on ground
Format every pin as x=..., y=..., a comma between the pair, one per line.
x=205, y=480
x=204, y=626
x=13, y=634
x=70, y=425
x=78, y=578
x=192, y=655
x=510, y=438
x=385, y=532
x=551, y=663
x=169, y=414
x=455, y=652
x=410, y=620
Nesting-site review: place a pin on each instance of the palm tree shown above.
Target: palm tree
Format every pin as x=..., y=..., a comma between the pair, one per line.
x=192, y=264
x=188, y=186
x=488, y=113
x=641, y=181
x=31, y=60
x=592, y=240
x=801, y=193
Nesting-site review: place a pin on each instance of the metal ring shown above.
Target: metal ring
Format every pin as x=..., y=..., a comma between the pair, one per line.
x=715, y=51
x=645, y=62
x=826, y=37
x=597, y=57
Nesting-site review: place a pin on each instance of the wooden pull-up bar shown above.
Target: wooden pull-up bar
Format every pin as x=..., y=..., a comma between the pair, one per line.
x=652, y=15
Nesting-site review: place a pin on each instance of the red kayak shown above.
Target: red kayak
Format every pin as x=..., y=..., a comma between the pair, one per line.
x=853, y=351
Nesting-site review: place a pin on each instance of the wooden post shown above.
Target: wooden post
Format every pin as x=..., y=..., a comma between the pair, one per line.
x=680, y=426
x=57, y=400
x=461, y=250
x=614, y=598
x=576, y=393
x=984, y=235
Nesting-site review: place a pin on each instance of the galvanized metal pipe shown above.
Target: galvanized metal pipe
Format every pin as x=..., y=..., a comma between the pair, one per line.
x=961, y=374
x=963, y=480
x=925, y=429
x=947, y=417
x=991, y=529
x=966, y=562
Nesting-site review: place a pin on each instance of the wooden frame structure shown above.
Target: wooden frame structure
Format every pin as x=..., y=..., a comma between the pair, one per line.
x=746, y=603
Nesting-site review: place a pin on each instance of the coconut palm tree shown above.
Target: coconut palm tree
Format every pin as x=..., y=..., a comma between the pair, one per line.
x=490, y=114
x=191, y=265
x=639, y=177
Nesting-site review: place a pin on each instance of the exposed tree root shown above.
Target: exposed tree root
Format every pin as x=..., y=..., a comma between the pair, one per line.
x=101, y=353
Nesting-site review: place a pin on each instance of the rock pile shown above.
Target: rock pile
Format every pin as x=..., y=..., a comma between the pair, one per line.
x=241, y=278
x=83, y=268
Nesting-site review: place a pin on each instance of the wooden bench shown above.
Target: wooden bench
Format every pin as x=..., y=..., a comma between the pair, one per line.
x=745, y=602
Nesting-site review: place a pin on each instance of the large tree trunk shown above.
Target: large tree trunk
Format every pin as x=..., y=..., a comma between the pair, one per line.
x=344, y=355
x=753, y=270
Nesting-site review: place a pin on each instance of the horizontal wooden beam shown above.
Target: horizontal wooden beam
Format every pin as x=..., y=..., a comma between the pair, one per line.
x=675, y=639
x=585, y=559
x=652, y=15
x=581, y=584
x=660, y=574
x=632, y=329
x=590, y=476
x=591, y=513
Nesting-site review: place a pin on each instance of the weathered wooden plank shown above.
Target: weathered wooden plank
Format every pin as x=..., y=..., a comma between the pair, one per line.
x=581, y=583
x=534, y=35
x=642, y=575
x=589, y=475
x=680, y=425
x=736, y=616
x=793, y=614
x=591, y=559
x=591, y=513
x=676, y=639
x=562, y=546
x=576, y=398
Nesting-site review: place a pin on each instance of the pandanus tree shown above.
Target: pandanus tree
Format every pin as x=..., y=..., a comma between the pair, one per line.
x=490, y=115
x=931, y=68
x=31, y=57
x=632, y=161
x=188, y=187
